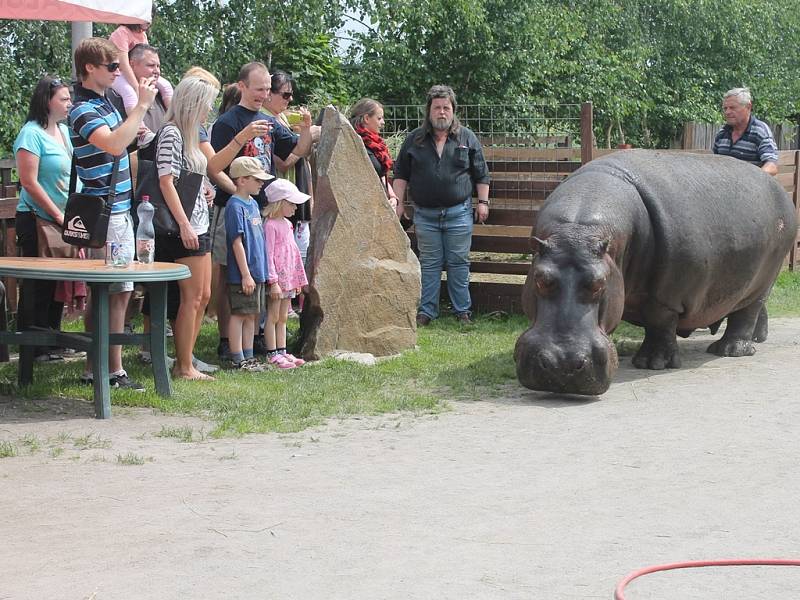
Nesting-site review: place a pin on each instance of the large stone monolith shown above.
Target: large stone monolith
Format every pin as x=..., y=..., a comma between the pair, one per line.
x=364, y=279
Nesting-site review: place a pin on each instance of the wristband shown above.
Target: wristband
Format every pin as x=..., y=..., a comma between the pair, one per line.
x=486, y=202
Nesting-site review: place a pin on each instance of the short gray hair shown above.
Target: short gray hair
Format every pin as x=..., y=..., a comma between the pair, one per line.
x=742, y=94
x=138, y=51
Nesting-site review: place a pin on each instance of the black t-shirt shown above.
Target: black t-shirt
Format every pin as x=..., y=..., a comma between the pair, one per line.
x=226, y=127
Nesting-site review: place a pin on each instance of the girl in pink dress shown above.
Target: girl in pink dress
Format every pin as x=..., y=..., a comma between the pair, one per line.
x=285, y=273
x=125, y=37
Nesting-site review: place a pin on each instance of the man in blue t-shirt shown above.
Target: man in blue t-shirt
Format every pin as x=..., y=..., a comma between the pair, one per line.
x=98, y=134
x=254, y=84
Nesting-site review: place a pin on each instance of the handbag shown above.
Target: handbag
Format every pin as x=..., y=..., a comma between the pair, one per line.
x=50, y=243
x=187, y=185
x=86, y=216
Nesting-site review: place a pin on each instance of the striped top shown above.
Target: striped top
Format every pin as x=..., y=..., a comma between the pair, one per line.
x=90, y=112
x=170, y=160
x=756, y=145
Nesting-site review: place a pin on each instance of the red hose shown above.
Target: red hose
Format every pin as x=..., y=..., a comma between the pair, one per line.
x=737, y=562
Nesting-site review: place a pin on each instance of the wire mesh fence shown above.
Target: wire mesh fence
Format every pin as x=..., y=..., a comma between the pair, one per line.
x=530, y=148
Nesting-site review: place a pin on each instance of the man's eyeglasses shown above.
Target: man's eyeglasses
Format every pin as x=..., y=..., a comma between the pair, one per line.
x=110, y=66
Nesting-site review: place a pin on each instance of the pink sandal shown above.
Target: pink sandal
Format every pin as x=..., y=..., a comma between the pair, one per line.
x=280, y=361
x=298, y=362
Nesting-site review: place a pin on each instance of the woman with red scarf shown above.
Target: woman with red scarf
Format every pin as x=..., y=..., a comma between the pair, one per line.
x=366, y=117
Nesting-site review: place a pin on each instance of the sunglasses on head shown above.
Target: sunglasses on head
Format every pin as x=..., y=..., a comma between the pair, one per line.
x=54, y=83
x=110, y=66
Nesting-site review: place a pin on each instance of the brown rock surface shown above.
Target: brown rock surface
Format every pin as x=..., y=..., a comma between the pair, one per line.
x=364, y=279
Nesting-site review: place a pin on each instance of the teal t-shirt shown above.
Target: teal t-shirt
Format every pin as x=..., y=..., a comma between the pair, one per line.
x=55, y=161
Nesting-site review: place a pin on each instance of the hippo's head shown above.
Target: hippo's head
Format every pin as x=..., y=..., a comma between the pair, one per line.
x=574, y=297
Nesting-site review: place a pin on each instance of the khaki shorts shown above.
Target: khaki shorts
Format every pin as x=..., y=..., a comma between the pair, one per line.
x=120, y=230
x=242, y=304
x=219, y=246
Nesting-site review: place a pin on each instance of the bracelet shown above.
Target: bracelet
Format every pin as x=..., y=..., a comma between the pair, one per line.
x=238, y=142
x=486, y=202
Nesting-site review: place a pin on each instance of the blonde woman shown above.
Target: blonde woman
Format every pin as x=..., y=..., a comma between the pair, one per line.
x=179, y=148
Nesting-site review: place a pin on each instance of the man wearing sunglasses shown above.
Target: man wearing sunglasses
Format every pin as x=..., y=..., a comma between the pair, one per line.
x=98, y=134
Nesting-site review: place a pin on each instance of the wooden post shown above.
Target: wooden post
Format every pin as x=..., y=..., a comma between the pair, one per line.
x=587, y=135
x=795, y=196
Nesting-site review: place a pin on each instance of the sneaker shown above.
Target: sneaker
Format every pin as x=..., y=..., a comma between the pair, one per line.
x=115, y=381
x=248, y=364
x=169, y=330
x=223, y=349
x=48, y=358
x=124, y=382
x=128, y=328
x=147, y=358
x=259, y=347
x=203, y=367
x=280, y=361
x=292, y=314
x=298, y=362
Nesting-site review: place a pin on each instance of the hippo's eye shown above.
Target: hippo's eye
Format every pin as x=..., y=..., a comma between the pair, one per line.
x=596, y=287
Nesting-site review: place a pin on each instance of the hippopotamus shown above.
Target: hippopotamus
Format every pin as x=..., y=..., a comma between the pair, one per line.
x=668, y=241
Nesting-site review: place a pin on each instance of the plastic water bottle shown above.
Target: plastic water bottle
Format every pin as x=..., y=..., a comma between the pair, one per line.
x=145, y=233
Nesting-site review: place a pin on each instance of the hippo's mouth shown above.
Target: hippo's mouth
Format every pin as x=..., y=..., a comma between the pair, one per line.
x=584, y=367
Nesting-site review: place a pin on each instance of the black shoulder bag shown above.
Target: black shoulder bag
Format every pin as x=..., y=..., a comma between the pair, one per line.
x=187, y=185
x=86, y=216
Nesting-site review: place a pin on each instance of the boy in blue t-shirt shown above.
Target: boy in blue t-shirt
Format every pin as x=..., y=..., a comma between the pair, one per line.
x=247, y=260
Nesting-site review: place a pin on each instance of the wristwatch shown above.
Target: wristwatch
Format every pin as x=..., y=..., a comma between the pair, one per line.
x=486, y=202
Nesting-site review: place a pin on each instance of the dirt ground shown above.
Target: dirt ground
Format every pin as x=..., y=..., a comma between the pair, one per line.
x=528, y=495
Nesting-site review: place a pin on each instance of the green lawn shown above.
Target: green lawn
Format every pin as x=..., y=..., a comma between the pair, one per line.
x=450, y=363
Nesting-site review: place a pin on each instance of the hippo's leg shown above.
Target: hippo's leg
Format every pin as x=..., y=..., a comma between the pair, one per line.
x=760, y=332
x=740, y=332
x=659, y=350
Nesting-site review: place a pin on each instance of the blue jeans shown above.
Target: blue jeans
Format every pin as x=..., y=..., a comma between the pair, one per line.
x=444, y=236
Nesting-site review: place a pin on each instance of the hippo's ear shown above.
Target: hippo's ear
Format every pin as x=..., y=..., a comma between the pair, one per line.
x=539, y=246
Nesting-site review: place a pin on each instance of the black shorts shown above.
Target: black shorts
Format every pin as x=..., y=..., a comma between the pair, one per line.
x=170, y=249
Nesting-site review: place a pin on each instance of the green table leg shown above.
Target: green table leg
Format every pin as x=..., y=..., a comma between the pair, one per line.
x=99, y=350
x=26, y=351
x=158, y=337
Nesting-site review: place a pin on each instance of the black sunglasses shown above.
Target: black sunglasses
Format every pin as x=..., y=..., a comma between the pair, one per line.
x=286, y=95
x=110, y=66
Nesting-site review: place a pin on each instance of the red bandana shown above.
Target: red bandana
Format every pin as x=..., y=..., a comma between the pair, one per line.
x=375, y=144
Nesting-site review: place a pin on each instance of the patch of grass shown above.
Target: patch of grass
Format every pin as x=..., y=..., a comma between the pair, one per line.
x=449, y=363
x=183, y=434
x=31, y=442
x=129, y=458
x=8, y=449
x=56, y=452
x=90, y=440
x=784, y=301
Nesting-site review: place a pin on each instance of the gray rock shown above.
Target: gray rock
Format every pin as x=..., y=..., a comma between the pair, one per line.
x=364, y=279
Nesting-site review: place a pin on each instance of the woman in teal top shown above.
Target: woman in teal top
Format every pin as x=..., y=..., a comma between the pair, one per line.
x=44, y=156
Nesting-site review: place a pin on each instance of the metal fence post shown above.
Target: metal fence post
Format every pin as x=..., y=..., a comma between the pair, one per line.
x=587, y=136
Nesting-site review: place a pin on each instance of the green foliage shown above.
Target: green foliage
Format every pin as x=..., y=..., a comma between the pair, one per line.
x=647, y=65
